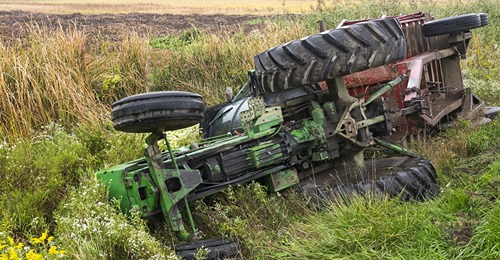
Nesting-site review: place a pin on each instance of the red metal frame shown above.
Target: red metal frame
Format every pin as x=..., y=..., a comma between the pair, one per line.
x=432, y=67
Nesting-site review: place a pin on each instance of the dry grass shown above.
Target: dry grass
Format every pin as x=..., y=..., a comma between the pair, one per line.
x=42, y=81
x=56, y=76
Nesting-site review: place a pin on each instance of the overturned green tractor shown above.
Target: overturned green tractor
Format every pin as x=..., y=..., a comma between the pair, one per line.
x=309, y=110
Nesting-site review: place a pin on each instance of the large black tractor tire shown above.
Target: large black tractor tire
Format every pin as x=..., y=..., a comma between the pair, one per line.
x=164, y=110
x=330, y=54
x=404, y=177
x=216, y=248
x=454, y=24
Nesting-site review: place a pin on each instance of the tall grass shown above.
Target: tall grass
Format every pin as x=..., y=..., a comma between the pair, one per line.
x=42, y=80
x=208, y=64
x=60, y=76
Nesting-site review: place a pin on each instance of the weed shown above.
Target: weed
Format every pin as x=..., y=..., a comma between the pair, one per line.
x=255, y=222
x=37, y=248
x=94, y=228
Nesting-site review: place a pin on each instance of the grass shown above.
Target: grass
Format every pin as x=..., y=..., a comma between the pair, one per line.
x=69, y=80
x=461, y=223
x=57, y=76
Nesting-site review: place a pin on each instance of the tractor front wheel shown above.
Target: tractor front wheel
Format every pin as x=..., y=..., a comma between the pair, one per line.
x=455, y=24
x=165, y=110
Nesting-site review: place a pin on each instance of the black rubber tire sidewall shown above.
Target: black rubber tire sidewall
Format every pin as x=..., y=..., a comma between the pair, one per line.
x=453, y=24
x=330, y=54
x=217, y=249
x=408, y=178
x=165, y=110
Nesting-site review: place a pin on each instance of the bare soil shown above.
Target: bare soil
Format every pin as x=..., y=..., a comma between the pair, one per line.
x=15, y=24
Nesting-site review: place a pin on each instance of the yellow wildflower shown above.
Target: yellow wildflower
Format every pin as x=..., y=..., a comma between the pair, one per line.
x=53, y=250
x=13, y=254
x=2, y=246
x=31, y=255
x=44, y=235
x=11, y=240
x=50, y=238
x=41, y=239
x=19, y=246
x=4, y=257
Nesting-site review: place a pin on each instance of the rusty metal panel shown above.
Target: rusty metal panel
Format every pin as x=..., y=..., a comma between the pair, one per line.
x=371, y=76
x=412, y=28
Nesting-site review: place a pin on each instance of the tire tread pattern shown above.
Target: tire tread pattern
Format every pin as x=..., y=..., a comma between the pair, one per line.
x=330, y=54
x=166, y=110
x=217, y=249
x=415, y=182
x=454, y=24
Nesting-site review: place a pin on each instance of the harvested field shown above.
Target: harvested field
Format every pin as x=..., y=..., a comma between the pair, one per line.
x=14, y=24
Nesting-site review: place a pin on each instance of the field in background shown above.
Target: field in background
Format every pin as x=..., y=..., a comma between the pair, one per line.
x=56, y=87
x=165, y=6
x=256, y=7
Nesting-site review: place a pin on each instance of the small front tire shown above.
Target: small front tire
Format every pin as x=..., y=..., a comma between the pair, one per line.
x=455, y=24
x=164, y=110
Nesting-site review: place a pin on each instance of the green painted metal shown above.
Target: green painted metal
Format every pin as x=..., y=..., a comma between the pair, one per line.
x=266, y=154
x=370, y=121
x=190, y=216
x=395, y=148
x=146, y=183
x=272, y=117
x=256, y=107
x=313, y=132
x=281, y=180
x=390, y=85
x=157, y=172
x=133, y=188
x=259, y=118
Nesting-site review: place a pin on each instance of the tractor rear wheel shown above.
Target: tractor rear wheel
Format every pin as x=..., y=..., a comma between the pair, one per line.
x=410, y=179
x=330, y=54
x=404, y=177
x=164, y=110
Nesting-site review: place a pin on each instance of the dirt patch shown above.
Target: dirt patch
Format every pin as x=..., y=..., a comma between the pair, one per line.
x=16, y=24
x=461, y=235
